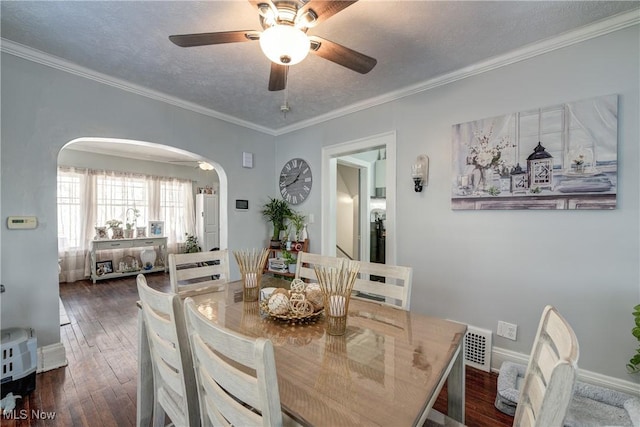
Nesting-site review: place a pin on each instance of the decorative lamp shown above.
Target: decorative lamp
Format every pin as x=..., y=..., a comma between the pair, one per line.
x=420, y=172
x=540, y=168
x=519, y=182
x=284, y=44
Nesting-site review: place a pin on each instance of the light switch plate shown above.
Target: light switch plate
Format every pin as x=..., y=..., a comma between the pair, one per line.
x=247, y=160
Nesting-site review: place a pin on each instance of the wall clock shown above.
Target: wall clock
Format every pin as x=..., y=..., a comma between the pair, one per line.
x=295, y=181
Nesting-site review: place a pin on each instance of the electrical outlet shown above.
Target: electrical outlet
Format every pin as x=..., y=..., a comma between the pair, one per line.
x=507, y=330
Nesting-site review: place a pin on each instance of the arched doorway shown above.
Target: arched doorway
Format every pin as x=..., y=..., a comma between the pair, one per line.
x=149, y=159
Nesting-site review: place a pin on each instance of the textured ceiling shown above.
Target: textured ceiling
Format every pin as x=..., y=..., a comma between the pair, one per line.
x=413, y=41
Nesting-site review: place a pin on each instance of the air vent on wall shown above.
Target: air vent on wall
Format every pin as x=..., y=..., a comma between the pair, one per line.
x=477, y=348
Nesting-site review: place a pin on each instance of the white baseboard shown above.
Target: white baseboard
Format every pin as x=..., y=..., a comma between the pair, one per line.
x=499, y=355
x=51, y=357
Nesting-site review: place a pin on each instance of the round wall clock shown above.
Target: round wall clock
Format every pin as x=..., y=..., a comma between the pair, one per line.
x=295, y=181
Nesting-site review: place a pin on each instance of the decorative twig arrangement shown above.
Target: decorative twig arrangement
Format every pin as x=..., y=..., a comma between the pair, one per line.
x=336, y=285
x=251, y=262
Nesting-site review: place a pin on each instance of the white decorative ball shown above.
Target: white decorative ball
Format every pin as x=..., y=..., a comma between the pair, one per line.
x=278, y=304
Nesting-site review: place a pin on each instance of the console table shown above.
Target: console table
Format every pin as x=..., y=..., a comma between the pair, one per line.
x=159, y=244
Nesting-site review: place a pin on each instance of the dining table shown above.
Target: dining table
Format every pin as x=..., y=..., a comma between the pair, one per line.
x=386, y=370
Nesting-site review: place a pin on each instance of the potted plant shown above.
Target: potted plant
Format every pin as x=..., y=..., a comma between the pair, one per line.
x=634, y=364
x=116, y=228
x=290, y=260
x=297, y=220
x=191, y=244
x=131, y=218
x=277, y=211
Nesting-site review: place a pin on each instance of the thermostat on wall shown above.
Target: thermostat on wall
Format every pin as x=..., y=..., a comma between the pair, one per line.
x=242, y=205
x=22, y=222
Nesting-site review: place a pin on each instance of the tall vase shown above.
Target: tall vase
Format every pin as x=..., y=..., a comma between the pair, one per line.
x=304, y=235
x=148, y=258
x=479, y=179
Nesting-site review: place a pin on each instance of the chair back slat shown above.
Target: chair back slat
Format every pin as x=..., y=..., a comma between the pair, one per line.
x=307, y=261
x=548, y=383
x=198, y=272
x=173, y=376
x=236, y=374
x=392, y=282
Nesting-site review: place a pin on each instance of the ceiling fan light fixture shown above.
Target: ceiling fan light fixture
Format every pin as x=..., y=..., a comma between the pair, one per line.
x=205, y=166
x=284, y=44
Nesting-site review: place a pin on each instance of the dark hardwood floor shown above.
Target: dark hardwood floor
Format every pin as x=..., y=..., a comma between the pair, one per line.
x=98, y=387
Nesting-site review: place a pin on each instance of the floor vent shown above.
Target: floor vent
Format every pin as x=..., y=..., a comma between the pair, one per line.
x=477, y=348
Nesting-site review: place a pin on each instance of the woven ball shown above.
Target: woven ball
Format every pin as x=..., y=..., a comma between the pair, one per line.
x=316, y=297
x=295, y=296
x=297, y=286
x=278, y=304
x=282, y=291
x=312, y=286
x=301, y=307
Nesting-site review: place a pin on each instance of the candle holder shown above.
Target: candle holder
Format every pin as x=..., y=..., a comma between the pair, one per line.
x=251, y=263
x=336, y=285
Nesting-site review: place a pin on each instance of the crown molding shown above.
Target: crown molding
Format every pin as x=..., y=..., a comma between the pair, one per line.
x=597, y=29
x=33, y=55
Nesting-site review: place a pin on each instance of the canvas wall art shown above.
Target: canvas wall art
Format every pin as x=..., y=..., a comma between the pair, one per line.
x=558, y=157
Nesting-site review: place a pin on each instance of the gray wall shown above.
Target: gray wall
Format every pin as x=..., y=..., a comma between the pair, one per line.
x=483, y=266
x=477, y=267
x=42, y=110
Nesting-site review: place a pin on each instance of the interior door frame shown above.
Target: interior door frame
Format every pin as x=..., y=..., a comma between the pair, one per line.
x=364, y=173
x=330, y=156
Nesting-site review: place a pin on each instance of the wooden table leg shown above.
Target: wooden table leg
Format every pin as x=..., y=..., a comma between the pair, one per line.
x=455, y=388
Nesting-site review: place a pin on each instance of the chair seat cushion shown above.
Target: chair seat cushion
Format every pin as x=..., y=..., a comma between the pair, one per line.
x=591, y=405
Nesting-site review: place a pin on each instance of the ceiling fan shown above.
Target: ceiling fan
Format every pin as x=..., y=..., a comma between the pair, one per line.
x=284, y=39
x=198, y=164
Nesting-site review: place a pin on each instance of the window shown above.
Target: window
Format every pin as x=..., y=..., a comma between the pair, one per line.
x=546, y=126
x=69, y=209
x=89, y=198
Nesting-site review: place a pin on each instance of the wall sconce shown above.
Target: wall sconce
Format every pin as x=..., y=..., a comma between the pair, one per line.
x=420, y=172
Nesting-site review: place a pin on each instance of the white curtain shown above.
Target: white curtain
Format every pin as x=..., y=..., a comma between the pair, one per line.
x=88, y=198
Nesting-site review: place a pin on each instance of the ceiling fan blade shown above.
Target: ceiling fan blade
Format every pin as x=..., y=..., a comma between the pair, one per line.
x=324, y=9
x=278, y=77
x=342, y=55
x=204, y=39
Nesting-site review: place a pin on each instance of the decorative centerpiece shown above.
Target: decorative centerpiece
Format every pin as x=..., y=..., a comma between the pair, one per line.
x=116, y=228
x=251, y=264
x=148, y=258
x=131, y=216
x=336, y=285
x=301, y=302
x=487, y=159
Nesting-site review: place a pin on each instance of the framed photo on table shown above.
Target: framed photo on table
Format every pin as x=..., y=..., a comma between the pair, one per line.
x=104, y=267
x=156, y=228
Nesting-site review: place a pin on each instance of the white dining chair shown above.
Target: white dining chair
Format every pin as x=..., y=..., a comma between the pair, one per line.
x=174, y=383
x=306, y=261
x=391, y=283
x=191, y=274
x=548, y=383
x=236, y=375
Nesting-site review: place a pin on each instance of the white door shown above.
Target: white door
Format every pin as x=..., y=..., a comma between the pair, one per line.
x=207, y=221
